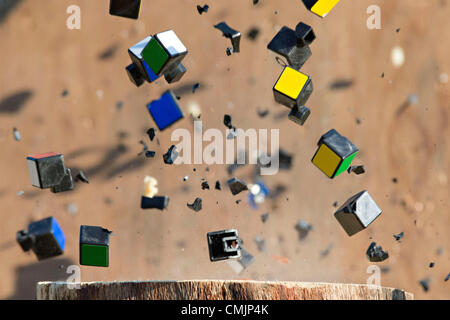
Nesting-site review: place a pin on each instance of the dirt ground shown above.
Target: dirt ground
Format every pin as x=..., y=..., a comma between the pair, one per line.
x=40, y=58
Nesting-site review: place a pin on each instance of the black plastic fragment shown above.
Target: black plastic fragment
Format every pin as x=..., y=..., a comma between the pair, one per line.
x=171, y=155
x=196, y=205
x=82, y=177
x=236, y=185
x=376, y=254
x=157, y=202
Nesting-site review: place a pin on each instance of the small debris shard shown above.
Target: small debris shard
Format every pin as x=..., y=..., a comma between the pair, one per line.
x=82, y=177
x=16, y=133
x=376, y=254
x=233, y=35
x=65, y=93
x=399, y=236
x=236, y=186
x=150, y=154
x=303, y=229
x=195, y=87
x=227, y=121
x=201, y=9
x=205, y=185
x=447, y=278
x=246, y=258
x=171, y=155
x=151, y=133
x=196, y=205
x=253, y=33
x=356, y=170
x=431, y=264
x=425, y=283
x=341, y=84
x=265, y=217
x=218, y=187
x=260, y=243
x=262, y=113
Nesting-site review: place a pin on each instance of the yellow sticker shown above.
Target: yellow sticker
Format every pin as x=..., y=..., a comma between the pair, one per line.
x=291, y=82
x=323, y=7
x=326, y=160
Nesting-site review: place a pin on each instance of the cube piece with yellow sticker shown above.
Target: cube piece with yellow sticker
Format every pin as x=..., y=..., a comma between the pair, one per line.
x=335, y=154
x=320, y=7
x=292, y=88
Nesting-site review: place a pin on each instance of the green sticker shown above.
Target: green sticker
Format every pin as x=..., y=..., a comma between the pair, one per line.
x=345, y=164
x=94, y=255
x=155, y=55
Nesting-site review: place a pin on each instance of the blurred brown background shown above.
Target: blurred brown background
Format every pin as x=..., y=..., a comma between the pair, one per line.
x=40, y=58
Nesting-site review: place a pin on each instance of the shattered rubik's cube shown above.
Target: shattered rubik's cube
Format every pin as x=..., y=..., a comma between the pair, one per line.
x=293, y=88
x=94, y=246
x=125, y=8
x=44, y=237
x=224, y=245
x=47, y=170
x=320, y=7
x=156, y=56
x=357, y=213
x=165, y=111
x=335, y=154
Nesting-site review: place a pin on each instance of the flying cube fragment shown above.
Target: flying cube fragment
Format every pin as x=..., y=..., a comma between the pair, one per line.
x=224, y=245
x=156, y=56
x=94, y=246
x=335, y=154
x=320, y=7
x=230, y=33
x=165, y=111
x=299, y=114
x=376, y=254
x=292, y=88
x=293, y=45
x=237, y=186
x=357, y=213
x=47, y=170
x=125, y=8
x=44, y=237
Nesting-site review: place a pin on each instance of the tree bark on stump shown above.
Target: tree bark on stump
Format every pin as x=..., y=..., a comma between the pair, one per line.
x=216, y=290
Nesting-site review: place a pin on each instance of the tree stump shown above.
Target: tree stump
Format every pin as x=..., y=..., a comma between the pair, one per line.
x=216, y=290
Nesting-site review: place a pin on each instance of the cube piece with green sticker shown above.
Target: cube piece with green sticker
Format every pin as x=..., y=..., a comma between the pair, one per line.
x=94, y=246
x=164, y=52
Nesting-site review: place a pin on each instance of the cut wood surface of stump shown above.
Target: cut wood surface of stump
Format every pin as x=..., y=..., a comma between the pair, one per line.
x=216, y=290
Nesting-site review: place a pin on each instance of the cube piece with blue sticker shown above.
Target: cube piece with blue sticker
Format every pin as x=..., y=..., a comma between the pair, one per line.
x=165, y=111
x=44, y=237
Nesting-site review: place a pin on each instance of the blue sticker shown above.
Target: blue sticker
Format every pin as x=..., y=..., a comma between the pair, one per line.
x=165, y=111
